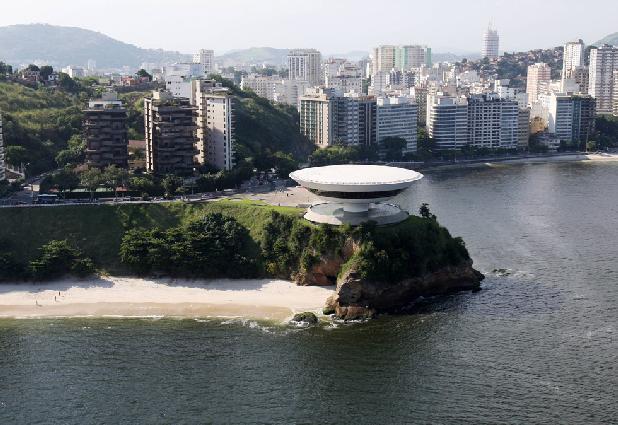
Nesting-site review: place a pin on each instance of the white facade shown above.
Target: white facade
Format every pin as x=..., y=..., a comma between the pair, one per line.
x=412, y=56
x=179, y=86
x=379, y=83
x=305, y=65
x=74, y=71
x=215, y=124
x=343, y=76
x=491, y=44
x=571, y=117
x=289, y=92
x=205, y=58
x=317, y=116
x=2, y=163
x=262, y=85
x=383, y=58
x=447, y=121
x=573, y=55
x=538, y=80
x=397, y=117
x=492, y=122
x=603, y=63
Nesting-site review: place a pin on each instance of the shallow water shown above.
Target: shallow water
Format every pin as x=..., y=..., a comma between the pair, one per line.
x=537, y=345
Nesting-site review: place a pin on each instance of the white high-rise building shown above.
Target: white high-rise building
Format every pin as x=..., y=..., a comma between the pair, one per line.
x=346, y=78
x=317, y=116
x=491, y=43
x=289, y=92
x=206, y=59
x=397, y=117
x=2, y=163
x=262, y=85
x=492, y=122
x=573, y=58
x=447, y=120
x=383, y=58
x=538, y=80
x=615, y=93
x=412, y=56
x=603, y=63
x=571, y=117
x=305, y=65
x=215, y=124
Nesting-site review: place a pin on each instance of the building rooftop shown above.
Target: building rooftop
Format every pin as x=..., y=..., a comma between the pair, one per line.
x=356, y=175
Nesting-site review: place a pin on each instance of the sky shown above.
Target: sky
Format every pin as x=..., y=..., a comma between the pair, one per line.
x=332, y=26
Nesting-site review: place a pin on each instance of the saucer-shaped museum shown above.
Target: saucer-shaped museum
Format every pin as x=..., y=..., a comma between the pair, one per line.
x=354, y=194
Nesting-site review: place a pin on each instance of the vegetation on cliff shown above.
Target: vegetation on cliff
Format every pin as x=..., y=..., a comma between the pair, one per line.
x=225, y=239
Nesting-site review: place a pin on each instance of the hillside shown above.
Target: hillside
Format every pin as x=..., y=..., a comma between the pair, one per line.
x=610, y=39
x=39, y=122
x=61, y=46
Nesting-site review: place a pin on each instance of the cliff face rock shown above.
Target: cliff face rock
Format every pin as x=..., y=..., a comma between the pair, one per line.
x=357, y=298
x=326, y=270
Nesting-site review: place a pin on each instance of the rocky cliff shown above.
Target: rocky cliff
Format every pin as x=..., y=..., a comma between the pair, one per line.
x=358, y=296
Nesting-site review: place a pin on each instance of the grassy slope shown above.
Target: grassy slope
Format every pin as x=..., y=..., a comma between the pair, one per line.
x=98, y=230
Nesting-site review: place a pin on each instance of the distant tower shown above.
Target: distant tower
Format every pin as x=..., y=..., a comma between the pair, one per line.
x=491, y=43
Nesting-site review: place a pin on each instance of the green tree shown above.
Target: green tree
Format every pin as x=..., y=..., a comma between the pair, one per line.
x=393, y=147
x=91, y=179
x=45, y=72
x=170, y=184
x=143, y=73
x=115, y=177
x=59, y=258
x=16, y=155
x=65, y=179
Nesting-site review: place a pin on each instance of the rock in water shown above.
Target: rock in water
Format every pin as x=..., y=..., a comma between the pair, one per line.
x=306, y=317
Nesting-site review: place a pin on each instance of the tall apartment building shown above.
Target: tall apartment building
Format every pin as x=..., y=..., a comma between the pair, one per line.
x=384, y=58
x=329, y=117
x=206, y=58
x=2, y=163
x=105, y=130
x=317, y=112
x=574, y=74
x=447, y=121
x=262, y=85
x=412, y=56
x=615, y=106
x=576, y=80
x=603, y=63
x=305, y=64
x=289, y=92
x=492, y=122
x=491, y=43
x=170, y=132
x=539, y=77
x=420, y=97
x=215, y=124
x=397, y=117
x=573, y=55
x=346, y=77
x=523, y=128
x=571, y=117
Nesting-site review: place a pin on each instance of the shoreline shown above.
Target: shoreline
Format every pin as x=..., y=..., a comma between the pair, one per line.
x=125, y=297
x=566, y=157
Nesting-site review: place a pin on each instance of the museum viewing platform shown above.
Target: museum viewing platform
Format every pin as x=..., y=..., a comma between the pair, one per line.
x=354, y=194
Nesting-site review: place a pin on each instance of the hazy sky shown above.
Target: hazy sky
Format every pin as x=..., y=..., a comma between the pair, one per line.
x=333, y=26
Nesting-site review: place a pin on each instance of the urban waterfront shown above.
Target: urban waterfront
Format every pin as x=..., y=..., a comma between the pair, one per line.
x=536, y=345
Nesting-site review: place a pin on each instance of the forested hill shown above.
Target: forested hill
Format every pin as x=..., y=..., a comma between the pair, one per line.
x=38, y=124
x=61, y=46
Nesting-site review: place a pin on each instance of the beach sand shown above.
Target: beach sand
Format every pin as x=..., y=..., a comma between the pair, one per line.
x=132, y=297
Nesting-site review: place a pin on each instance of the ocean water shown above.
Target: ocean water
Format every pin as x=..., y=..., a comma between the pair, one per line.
x=538, y=345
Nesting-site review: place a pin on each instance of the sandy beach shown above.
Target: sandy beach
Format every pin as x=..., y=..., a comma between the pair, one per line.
x=132, y=297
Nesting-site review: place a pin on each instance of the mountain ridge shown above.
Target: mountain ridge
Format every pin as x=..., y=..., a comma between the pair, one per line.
x=62, y=46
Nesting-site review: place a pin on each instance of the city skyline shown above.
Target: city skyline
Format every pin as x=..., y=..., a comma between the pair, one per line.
x=277, y=23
